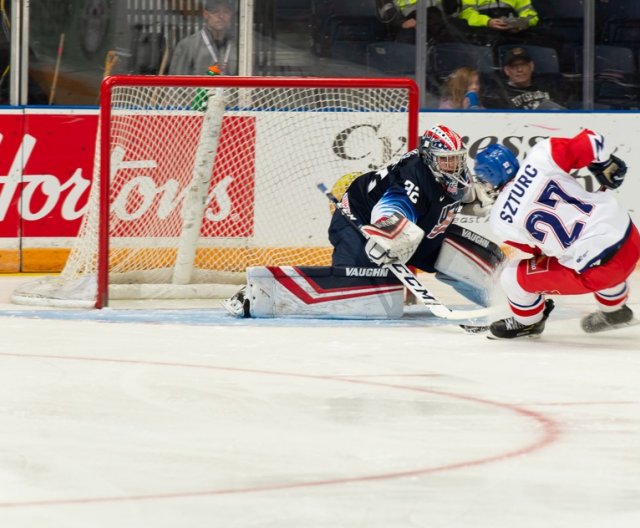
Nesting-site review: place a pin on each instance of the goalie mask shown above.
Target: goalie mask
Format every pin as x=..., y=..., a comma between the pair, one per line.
x=442, y=150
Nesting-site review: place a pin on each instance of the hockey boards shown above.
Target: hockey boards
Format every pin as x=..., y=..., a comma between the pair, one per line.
x=409, y=280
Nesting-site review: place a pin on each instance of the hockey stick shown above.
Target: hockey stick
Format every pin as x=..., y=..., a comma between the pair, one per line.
x=408, y=279
x=56, y=71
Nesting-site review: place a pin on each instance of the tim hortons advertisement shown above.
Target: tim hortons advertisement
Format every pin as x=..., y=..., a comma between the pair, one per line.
x=150, y=179
x=45, y=175
x=47, y=156
x=46, y=172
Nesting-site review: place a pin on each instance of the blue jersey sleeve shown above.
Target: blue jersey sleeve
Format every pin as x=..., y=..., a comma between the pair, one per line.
x=394, y=200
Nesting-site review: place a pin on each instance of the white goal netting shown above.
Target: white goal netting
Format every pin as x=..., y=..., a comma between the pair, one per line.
x=211, y=175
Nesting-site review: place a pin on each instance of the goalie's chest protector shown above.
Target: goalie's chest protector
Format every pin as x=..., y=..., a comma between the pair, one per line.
x=434, y=207
x=438, y=211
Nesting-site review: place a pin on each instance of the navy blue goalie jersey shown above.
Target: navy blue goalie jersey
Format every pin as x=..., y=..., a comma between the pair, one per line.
x=409, y=187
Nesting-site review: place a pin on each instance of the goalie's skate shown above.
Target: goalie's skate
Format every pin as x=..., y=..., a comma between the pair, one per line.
x=509, y=328
x=601, y=321
x=238, y=305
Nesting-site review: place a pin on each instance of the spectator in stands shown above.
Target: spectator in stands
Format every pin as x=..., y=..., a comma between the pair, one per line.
x=213, y=45
x=522, y=91
x=504, y=22
x=403, y=14
x=406, y=13
x=406, y=8
x=462, y=90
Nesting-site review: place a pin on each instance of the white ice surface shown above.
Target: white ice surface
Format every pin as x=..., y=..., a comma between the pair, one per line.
x=165, y=418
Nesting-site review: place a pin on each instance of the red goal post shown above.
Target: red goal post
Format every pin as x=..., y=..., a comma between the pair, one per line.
x=197, y=178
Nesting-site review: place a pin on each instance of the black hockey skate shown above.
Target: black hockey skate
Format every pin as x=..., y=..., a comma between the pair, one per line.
x=238, y=305
x=509, y=328
x=601, y=321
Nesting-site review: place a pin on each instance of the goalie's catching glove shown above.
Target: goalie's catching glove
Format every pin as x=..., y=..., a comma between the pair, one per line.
x=478, y=199
x=610, y=173
x=392, y=239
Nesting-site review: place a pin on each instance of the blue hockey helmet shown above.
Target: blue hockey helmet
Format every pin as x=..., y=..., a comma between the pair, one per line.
x=496, y=165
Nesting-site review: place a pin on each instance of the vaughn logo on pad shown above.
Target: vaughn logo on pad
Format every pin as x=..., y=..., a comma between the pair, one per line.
x=366, y=272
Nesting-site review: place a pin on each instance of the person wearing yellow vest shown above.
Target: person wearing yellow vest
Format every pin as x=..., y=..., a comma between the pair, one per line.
x=407, y=9
x=504, y=15
x=405, y=6
x=500, y=22
x=403, y=14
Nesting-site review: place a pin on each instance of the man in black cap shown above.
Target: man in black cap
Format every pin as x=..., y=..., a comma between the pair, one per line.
x=522, y=91
x=213, y=45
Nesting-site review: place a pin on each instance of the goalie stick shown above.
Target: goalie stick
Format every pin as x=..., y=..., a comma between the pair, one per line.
x=409, y=280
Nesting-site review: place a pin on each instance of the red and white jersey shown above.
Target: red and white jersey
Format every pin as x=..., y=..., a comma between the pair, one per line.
x=545, y=208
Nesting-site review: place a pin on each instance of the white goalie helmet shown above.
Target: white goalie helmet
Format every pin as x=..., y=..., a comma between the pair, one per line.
x=444, y=153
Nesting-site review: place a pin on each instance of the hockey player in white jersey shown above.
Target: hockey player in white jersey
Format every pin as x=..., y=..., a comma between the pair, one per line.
x=580, y=242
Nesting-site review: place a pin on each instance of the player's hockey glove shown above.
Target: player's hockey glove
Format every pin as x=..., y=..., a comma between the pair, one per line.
x=392, y=239
x=610, y=173
x=478, y=199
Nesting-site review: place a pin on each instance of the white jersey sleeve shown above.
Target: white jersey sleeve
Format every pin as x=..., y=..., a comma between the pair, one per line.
x=545, y=207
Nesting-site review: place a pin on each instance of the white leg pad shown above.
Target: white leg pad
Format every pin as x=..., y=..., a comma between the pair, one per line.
x=324, y=292
x=468, y=266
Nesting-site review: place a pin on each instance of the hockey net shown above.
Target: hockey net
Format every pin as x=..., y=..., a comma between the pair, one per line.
x=210, y=175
